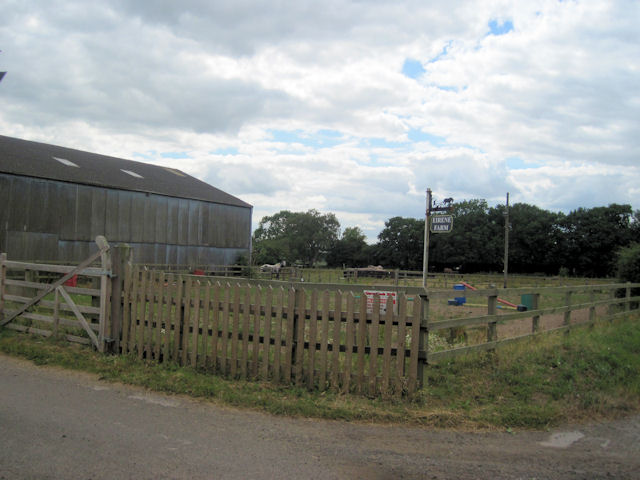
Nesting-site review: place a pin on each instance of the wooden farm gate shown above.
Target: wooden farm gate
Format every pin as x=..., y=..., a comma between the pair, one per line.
x=67, y=300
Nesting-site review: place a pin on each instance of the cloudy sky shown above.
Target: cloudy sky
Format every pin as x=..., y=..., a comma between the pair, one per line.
x=350, y=107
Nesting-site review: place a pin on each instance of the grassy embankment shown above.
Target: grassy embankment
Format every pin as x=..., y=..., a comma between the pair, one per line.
x=589, y=374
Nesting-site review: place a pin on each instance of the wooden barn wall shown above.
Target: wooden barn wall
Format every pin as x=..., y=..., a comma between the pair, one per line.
x=49, y=220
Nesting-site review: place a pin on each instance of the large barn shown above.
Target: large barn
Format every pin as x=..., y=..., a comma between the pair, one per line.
x=54, y=201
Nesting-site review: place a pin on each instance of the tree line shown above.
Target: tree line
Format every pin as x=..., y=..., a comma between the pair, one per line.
x=584, y=242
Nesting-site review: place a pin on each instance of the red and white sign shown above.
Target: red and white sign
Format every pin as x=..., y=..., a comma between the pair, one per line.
x=385, y=298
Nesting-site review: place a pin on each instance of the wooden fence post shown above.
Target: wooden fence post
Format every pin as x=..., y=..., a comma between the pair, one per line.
x=535, y=304
x=120, y=259
x=567, y=314
x=105, y=261
x=3, y=277
x=423, y=341
x=492, y=309
x=627, y=303
x=592, y=308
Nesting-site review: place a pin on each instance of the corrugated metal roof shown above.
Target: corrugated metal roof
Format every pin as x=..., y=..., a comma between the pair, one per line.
x=40, y=160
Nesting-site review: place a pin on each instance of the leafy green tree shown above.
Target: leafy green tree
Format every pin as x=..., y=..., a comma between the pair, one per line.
x=592, y=238
x=475, y=242
x=350, y=250
x=628, y=264
x=400, y=244
x=534, y=238
x=295, y=237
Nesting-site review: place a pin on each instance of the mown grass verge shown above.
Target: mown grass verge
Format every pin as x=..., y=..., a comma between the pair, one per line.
x=590, y=374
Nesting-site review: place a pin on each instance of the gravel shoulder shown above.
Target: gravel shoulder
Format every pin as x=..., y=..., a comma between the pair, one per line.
x=61, y=424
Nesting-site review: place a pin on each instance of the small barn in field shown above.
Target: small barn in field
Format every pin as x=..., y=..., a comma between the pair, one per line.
x=54, y=201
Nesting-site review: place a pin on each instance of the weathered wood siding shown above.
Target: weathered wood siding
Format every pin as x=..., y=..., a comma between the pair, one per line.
x=57, y=221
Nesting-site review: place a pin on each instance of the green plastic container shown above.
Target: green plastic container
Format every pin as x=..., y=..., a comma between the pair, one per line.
x=527, y=300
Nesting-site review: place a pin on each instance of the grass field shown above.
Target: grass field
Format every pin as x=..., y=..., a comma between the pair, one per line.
x=594, y=373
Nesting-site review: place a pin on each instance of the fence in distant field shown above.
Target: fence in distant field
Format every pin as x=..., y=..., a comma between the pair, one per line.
x=368, y=276
x=343, y=337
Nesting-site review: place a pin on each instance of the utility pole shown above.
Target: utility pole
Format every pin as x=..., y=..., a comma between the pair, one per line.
x=506, y=240
x=425, y=258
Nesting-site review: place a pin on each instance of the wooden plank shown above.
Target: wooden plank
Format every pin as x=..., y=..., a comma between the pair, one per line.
x=44, y=267
x=336, y=342
x=290, y=335
x=415, y=347
x=52, y=304
x=186, y=322
x=160, y=330
x=225, y=329
x=255, y=354
x=361, y=343
x=235, y=331
x=567, y=314
x=3, y=282
x=66, y=322
x=206, y=323
x=126, y=310
x=215, y=324
x=373, y=351
x=94, y=292
x=535, y=320
x=277, y=320
x=178, y=315
x=401, y=343
x=80, y=317
x=246, y=318
x=301, y=324
x=313, y=338
x=168, y=289
x=196, y=324
x=56, y=313
x=492, y=326
x=268, y=323
x=135, y=308
x=386, y=355
x=33, y=330
x=105, y=291
x=324, y=340
x=142, y=306
x=350, y=336
x=151, y=309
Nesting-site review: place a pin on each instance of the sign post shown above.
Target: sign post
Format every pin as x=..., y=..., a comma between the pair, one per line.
x=425, y=257
x=442, y=222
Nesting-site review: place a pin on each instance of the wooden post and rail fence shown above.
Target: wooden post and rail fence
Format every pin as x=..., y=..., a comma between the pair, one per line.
x=347, y=338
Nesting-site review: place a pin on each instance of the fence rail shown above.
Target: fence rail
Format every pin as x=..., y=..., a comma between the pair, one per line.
x=372, y=340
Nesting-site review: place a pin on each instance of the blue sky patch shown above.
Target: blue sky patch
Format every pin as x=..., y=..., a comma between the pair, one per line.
x=226, y=151
x=516, y=163
x=320, y=139
x=377, y=142
x=175, y=155
x=444, y=51
x=496, y=28
x=147, y=156
x=412, y=68
x=416, y=135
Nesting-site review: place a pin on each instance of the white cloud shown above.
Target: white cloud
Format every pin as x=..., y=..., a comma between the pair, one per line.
x=560, y=92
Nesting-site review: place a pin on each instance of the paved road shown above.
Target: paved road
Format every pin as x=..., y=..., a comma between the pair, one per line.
x=56, y=424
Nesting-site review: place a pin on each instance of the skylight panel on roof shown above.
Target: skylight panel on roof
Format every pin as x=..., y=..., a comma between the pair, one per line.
x=66, y=162
x=133, y=174
x=174, y=171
